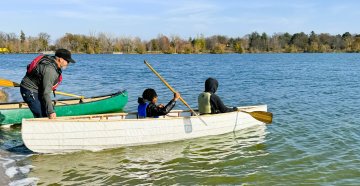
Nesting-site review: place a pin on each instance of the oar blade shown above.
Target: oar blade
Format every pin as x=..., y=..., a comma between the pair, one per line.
x=262, y=116
x=8, y=83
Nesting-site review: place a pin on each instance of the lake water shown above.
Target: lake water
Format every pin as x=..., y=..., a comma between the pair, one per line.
x=314, y=138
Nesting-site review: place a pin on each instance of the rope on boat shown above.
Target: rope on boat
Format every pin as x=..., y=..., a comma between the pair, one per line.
x=236, y=122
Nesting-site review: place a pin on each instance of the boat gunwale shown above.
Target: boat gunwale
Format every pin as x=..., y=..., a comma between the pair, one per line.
x=104, y=117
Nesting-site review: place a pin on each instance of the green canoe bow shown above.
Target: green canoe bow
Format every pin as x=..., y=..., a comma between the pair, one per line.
x=13, y=113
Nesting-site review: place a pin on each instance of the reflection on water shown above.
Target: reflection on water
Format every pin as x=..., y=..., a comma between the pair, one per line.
x=169, y=163
x=10, y=137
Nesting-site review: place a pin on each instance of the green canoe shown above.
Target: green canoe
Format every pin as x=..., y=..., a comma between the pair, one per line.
x=13, y=113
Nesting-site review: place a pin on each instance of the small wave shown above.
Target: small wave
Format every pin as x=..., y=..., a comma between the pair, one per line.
x=26, y=181
x=11, y=172
x=6, y=162
x=13, y=169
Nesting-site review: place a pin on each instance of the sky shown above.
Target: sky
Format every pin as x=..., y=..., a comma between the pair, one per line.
x=184, y=18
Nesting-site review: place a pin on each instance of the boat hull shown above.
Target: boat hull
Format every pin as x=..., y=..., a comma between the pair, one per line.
x=13, y=113
x=112, y=131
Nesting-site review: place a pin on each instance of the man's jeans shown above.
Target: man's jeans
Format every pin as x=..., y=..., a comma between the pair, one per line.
x=34, y=101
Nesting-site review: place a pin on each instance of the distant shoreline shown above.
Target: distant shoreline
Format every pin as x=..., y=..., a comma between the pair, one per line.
x=216, y=44
x=116, y=53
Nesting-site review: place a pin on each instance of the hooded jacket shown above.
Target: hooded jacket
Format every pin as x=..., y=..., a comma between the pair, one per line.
x=217, y=106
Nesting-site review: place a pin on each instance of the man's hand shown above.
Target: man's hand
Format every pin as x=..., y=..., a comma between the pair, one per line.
x=52, y=115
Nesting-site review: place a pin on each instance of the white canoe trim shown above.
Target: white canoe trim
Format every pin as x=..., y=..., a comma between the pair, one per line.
x=98, y=132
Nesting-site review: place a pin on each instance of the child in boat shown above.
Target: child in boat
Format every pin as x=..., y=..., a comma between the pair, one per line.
x=147, y=104
x=209, y=102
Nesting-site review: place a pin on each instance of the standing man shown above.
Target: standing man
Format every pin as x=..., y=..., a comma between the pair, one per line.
x=42, y=77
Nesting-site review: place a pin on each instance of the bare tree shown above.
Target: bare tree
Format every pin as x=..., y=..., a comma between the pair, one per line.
x=44, y=40
x=106, y=42
x=164, y=43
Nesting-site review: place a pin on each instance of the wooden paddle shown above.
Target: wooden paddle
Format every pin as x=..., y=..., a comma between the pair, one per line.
x=265, y=117
x=172, y=90
x=8, y=83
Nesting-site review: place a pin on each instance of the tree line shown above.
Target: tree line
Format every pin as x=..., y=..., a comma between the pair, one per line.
x=251, y=43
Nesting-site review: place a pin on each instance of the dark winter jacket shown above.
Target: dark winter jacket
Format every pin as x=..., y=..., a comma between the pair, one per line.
x=217, y=106
x=153, y=110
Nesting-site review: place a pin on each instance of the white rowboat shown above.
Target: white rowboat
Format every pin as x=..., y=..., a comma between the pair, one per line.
x=98, y=132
